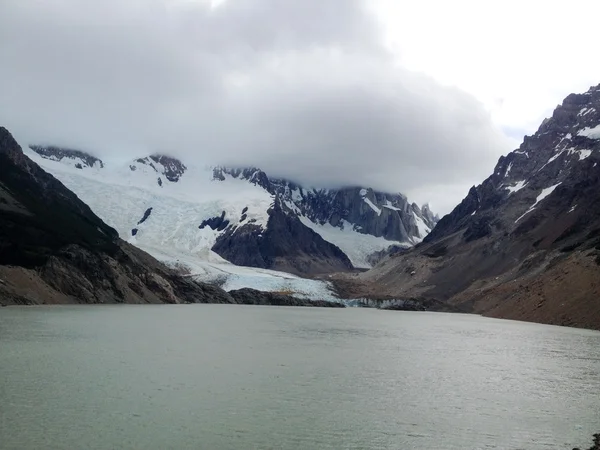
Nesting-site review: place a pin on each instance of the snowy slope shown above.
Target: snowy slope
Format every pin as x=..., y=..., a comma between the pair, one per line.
x=120, y=196
x=177, y=213
x=357, y=246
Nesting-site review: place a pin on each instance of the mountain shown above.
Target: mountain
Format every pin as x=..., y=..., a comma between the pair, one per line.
x=177, y=211
x=524, y=244
x=54, y=249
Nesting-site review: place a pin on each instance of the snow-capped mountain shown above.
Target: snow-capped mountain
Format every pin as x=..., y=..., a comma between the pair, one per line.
x=54, y=249
x=180, y=211
x=525, y=243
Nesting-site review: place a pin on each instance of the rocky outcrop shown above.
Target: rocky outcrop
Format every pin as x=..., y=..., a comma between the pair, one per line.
x=524, y=244
x=380, y=214
x=78, y=158
x=249, y=296
x=171, y=168
x=285, y=245
x=218, y=223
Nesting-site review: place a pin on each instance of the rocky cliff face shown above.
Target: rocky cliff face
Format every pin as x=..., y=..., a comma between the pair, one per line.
x=524, y=244
x=54, y=249
x=562, y=152
x=286, y=245
x=380, y=214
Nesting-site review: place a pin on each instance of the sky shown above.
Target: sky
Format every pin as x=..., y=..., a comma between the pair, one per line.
x=413, y=97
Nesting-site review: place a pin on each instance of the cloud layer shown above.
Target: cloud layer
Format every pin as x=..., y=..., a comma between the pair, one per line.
x=305, y=90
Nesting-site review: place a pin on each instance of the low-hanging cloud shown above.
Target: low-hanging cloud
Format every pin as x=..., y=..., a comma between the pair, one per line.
x=304, y=90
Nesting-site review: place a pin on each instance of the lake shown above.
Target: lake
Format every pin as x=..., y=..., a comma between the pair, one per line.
x=251, y=377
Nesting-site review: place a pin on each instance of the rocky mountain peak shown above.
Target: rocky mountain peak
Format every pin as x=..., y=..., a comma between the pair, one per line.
x=251, y=174
x=163, y=166
x=562, y=151
x=367, y=211
x=75, y=158
x=172, y=168
x=525, y=243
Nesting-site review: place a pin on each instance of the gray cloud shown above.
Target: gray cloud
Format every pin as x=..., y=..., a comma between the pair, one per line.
x=303, y=89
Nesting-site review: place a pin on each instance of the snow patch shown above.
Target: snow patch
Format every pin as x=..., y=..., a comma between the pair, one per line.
x=545, y=193
x=553, y=159
x=424, y=230
x=389, y=205
x=584, y=154
x=572, y=209
x=517, y=187
x=592, y=133
x=296, y=195
x=521, y=153
x=372, y=205
x=357, y=246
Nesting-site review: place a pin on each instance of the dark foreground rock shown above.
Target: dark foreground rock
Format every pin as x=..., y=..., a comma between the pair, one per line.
x=247, y=296
x=595, y=445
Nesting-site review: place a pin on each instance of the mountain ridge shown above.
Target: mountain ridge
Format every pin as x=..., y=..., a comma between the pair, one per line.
x=326, y=220
x=525, y=243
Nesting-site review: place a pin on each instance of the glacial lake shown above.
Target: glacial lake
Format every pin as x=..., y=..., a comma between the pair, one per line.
x=251, y=377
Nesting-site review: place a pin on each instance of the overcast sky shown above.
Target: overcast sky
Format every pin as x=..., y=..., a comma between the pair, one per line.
x=418, y=97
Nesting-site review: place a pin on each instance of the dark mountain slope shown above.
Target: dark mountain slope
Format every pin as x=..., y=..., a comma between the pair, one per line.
x=53, y=248
x=285, y=245
x=525, y=244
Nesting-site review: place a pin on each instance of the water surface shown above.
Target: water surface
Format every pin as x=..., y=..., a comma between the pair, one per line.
x=249, y=377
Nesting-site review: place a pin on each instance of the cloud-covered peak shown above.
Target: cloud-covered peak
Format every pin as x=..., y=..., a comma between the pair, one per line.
x=305, y=90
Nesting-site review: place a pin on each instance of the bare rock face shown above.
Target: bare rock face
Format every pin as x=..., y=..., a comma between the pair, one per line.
x=171, y=168
x=286, y=245
x=533, y=221
x=380, y=214
x=78, y=158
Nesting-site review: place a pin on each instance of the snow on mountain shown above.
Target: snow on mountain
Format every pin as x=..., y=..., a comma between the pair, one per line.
x=357, y=246
x=525, y=243
x=562, y=151
x=192, y=217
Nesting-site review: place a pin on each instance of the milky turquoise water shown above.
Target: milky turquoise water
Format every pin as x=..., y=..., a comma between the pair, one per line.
x=248, y=377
